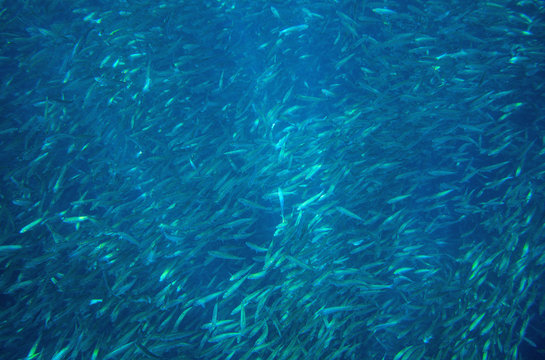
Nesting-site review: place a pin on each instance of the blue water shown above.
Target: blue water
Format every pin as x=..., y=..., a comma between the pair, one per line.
x=272, y=180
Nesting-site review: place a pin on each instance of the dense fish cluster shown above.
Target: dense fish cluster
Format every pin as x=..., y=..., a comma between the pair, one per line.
x=246, y=179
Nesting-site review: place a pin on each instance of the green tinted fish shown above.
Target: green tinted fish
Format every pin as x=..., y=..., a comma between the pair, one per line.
x=291, y=29
x=348, y=213
x=224, y=255
x=30, y=225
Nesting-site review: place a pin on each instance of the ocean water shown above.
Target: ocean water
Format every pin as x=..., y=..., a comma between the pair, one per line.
x=325, y=179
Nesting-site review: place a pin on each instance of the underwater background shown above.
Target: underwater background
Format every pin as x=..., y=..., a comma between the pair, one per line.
x=297, y=179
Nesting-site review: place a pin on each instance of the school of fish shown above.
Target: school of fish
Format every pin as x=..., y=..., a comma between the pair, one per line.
x=246, y=179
